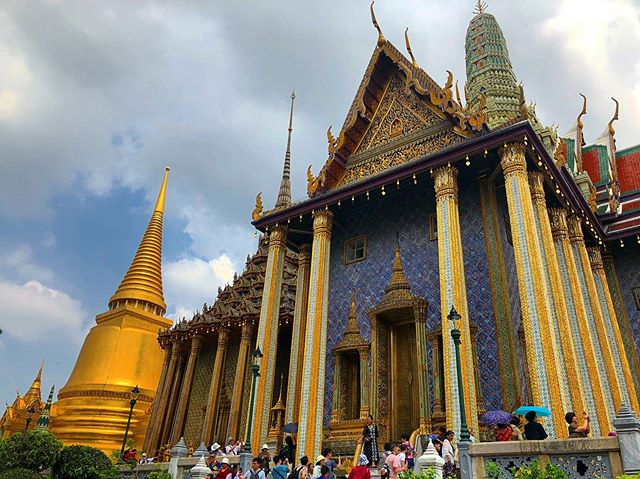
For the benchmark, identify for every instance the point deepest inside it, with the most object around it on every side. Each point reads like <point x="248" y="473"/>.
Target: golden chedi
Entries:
<point x="25" y="410"/>
<point x="120" y="352"/>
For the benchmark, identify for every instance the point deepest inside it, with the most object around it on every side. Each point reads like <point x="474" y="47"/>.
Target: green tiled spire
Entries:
<point x="43" y="421"/>
<point x="489" y="69"/>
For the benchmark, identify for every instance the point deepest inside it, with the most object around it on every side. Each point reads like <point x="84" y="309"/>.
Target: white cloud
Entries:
<point x="32" y="312"/>
<point x="19" y="264"/>
<point x="190" y="282"/>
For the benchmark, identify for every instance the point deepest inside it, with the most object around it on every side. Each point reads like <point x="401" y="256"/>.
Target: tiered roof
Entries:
<point x="239" y="302"/>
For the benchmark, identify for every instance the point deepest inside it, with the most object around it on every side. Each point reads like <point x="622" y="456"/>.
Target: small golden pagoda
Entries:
<point x="120" y="352"/>
<point x="29" y="406"/>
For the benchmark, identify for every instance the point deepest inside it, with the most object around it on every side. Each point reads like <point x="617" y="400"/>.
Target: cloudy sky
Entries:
<point x="97" y="97"/>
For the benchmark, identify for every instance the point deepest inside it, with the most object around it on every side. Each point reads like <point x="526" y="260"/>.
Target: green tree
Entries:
<point x="159" y="475"/>
<point x="82" y="462"/>
<point x="34" y="450"/>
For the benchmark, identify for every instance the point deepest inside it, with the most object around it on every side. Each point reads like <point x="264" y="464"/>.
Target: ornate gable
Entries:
<point x="399" y="113"/>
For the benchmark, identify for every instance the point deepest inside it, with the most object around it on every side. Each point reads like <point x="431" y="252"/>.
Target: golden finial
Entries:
<point x="406" y="41"/>
<point x="257" y="211"/>
<point x="524" y="111"/>
<point x="583" y="112"/>
<point x="312" y="182"/>
<point x="143" y="281"/>
<point x="480" y="7"/>
<point x="458" y="95"/>
<point x="284" y="194"/>
<point x="331" y="141"/>
<point x="615" y="117"/>
<point x="381" y="39"/>
<point x="163" y="192"/>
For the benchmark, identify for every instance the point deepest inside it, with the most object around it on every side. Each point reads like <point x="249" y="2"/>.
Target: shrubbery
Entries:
<point x="20" y="474"/>
<point x="82" y="462"/>
<point x="33" y="450"/>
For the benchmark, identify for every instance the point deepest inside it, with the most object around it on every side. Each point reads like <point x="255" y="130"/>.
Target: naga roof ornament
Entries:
<point x="381" y="39"/>
<point x="408" y="45"/>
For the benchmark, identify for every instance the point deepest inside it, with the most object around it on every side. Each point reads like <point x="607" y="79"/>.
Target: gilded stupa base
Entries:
<point x="120" y="352"/>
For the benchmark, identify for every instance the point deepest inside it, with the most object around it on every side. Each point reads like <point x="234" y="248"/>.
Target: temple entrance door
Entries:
<point x="404" y="400"/>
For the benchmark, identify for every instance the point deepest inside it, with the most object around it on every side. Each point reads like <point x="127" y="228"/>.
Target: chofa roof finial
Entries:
<point x="406" y="41"/>
<point x="381" y="39"/>
<point x="615" y="117"/>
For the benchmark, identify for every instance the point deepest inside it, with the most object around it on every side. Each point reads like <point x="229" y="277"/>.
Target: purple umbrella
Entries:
<point x="496" y="417"/>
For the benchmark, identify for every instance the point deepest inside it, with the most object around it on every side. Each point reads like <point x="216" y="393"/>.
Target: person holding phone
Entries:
<point x="576" y="430"/>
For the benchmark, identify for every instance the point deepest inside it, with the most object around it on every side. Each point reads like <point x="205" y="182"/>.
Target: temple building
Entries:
<point x="119" y="353"/>
<point x="425" y="202"/>
<point x="25" y="410"/>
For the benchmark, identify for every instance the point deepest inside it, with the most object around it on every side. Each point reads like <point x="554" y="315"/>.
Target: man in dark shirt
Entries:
<point x="574" y="429"/>
<point x="533" y="431"/>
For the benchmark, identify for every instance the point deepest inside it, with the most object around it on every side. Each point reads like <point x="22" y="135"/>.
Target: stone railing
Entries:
<point x="578" y="458"/>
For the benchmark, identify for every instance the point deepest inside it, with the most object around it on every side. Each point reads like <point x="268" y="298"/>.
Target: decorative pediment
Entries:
<point x="399" y="113"/>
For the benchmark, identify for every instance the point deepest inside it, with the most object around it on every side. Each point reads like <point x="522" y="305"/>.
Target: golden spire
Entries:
<point x="352" y="322"/>
<point x="408" y="45"/>
<point x="381" y="39"/>
<point x="284" y="195"/>
<point x="615" y="117"/>
<point x="143" y="281"/>
<point x="398" y="280"/>
<point x="582" y="113"/>
<point x="34" y="391"/>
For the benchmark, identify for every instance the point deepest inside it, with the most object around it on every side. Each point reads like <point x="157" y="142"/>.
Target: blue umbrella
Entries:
<point x="539" y="410"/>
<point x="496" y="417"/>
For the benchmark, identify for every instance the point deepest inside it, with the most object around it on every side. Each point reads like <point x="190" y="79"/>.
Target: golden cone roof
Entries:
<point x="143" y="280"/>
<point x="352" y="337"/>
<point x="398" y="280"/>
<point x="34" y="391"/>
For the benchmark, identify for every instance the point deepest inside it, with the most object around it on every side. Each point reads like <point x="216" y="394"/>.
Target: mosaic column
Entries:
<point x="365" y="410"/>
<point x="214" y="389"/>
<point x="298" y="334"/>
<point x="267" y="339"/>
<point x="561" y="337"/>
<point x="173" y="399"/>
<point x="590" y="376"/>
<point x="453" y="292"/>
<point x="423" y="370"/>
<point x="240" y="380"/>
<point x="436" y="367"/>
<point x="312" y="397"/>
<point x="185" y="391"/>
<point x="612" y="329"/>
<point x="608" y="373"/>
<point x="151" y="440"/>
<point x="336" y="397"/>
<point x="537" y="315"/>
<point x="499" y="282"/>
<point x="623" y="320"/>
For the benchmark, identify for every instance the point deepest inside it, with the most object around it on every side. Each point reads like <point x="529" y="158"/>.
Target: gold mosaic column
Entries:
<point x="594" y="317"/>
<point x="423" y="372"/>
<point x="173" y="399"/>
<point x="365" y="410"/>
<point x="214" y="390"/>
<point x="510" y="380"/>
<point x="612" y="329"/>
<point x="240" y="380"/>
<point x="268" y="334"/>
<point x="185" y="391"/>
<point x="534" y="295"/>
<point x="157" y="411"/>
<point x="312" y="396"/>
<point x="453" y="292"/>
<point x="593" y="390"/>
<point x="561" y="335"/>
<point x="336" y="398"/>
<point x="298" y="334"/>
<point x="438" y="411"/>
<point x="623" y="320"/>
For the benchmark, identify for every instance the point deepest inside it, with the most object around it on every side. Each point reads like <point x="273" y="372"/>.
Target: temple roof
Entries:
<point x="240" y="301"/>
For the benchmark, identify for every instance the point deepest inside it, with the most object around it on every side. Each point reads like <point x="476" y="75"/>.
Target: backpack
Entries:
<point x="254" y="474"/>
<point x="296" y="473"/>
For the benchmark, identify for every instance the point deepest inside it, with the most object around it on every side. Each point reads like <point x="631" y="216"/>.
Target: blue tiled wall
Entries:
<point x="405" y="213"/>
<point x="627" y="263"/>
